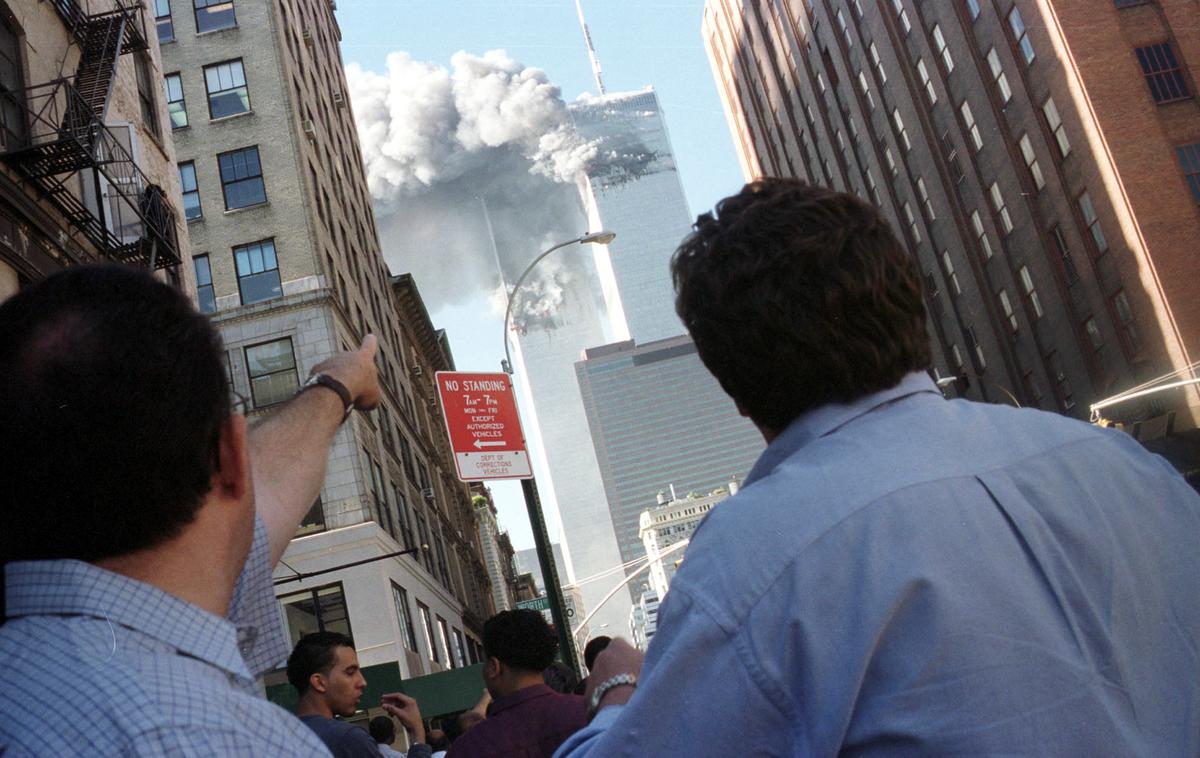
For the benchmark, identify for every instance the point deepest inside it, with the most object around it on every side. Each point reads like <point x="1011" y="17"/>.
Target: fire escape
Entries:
<point x="54" y="135"/>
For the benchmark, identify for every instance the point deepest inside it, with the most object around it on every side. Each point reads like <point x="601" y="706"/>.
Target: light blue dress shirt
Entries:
<point x="906" y="575"/>
<point x="95" y="663"/>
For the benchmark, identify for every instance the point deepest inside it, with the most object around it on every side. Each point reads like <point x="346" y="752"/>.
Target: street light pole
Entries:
<point x="945" y="381"/>
<point x="533" y="503"/>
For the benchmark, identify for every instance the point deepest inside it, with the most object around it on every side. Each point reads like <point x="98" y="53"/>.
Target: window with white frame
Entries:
<point x="878" y="64"/>
<point x="1093" y="222"/>
<point x="1006" y="306"/>
<point x="890" y="160"/>
<point x="911" y="218"/>
<point x="926" y="82"/>
<point x="866" y="90"/>
<point x="1125" y="316"/>
<point x="973" y="8"/>
<point x="1020" y="34"/>
<point x="939" y="43"/>
<point x="999" y="206"/>
<point x="981" y="235"/>
<point x="1056" y="127"/>
<point x="998" y="75"/>
<point x="1035" y="303"/>
<point x="841" y="19"/>
<point x="898" y="121"/>
<point x="968" y="118"/>
<point x="1031" y="161"/>
<point x="923" y="193"/>
<point x="950" y="275"/>
<point x="1093" y="332"/>
<point x="902" y="14"/>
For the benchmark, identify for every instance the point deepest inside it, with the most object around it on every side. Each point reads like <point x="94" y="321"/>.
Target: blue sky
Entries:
<point x="639" y="43"/>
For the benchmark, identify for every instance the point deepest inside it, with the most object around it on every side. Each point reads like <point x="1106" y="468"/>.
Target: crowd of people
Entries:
<point x="899" y="574"/>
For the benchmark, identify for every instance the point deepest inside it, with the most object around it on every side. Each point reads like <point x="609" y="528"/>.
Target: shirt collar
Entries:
<point x="76" y="588"/>
<point x="827" y="419"/>
<point x="520" y="696"/>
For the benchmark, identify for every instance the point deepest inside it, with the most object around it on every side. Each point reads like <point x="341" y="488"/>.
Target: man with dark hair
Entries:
<point x="593" y="648"/>
<point x="526" y="718"/>
<point x="900" y="574"/>
<point x="323" y="667"/>
<point x="383" y="731"/>
<point x="140" y="519"/>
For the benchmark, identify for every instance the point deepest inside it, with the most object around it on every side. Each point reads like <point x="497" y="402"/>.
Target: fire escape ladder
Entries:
<point x="99" y="51"/>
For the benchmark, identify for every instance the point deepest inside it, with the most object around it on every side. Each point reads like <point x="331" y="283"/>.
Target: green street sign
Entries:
<point x="537" y="604"/>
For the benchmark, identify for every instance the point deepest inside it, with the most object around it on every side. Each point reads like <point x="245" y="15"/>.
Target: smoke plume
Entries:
<point x="452" y="152"/>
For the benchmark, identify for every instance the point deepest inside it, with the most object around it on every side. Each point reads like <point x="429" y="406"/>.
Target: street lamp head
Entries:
<point x="602" y="237"/>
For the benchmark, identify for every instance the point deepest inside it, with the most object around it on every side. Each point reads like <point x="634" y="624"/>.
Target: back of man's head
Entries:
<point x="112" y="397"/>
<point x="314" y="654"/>
<point x="593" y="648"/>
<point x="521" y="639"/>
<point x="798" y="296"/>
<point x="382" y="730"/>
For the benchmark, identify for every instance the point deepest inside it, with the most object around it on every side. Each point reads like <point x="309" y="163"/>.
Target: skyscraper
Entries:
<point x="658" y="419"/>
<point x="623" y="290"/>
<point x="1039" y="158"/>
<point x="287" y="263"/>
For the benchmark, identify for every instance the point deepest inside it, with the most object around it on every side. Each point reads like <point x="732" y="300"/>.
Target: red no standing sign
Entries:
<point x="484" y="426"/>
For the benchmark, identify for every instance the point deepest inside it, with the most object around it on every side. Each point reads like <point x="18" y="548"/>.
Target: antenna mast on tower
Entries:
<point x="587" y="37"/>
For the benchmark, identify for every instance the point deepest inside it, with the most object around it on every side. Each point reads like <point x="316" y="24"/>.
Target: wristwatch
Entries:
<point x="603" y="688"/>
<point x="325" y="380"/>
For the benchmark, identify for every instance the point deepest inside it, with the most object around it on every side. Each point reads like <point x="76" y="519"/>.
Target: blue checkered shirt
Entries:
<point x="100" y="664"/>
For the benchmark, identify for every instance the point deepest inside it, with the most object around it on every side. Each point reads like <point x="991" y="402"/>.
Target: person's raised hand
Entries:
<point x="356" y="369"/>
<point x="406" y="710"/>
<point x="618" y="658"/>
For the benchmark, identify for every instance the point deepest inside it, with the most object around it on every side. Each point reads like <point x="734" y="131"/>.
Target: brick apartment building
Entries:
<point x="1040" y="157"/>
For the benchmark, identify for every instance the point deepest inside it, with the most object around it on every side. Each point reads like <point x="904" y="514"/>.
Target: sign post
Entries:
<point x="484" y="426"/>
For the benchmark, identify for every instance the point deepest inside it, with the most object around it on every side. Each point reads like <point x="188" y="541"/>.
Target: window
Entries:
<point x="272" y="367"/>
<point x="950" y="275"/>
<point x="878" y="64"/>
<point x="1031" y="161"/>
<point x="1000" y="208"/>
<point x="212" y="15"/>
<point x="972" y="127"/>
<point x="318" y="610"/>
<point x="973" y="344"/>
<point x="1056" y="126"/>
<point x="313" y="521"/>
<point x="981" y="235"/>
<point x="204" y="286"/>
<point x="899" y="123"/>
<point x="1125" y="317"/>
<point x="939" y="41"/>
<point x="1017" y="24"/>
<point x="1093" y="333"/>
<point x="1189" y="161"/>
<point x="841" y="19"/>
<point x="1162" y="73"/>
<point x="427" y="629"/>
<point x="459" y="653"/>
<point x="1030" y="292"/>
<point x="821" y="82"/>
<point x="146" y="87"/>
<point x="1065" y="396"/>
<point x="958" y="359"/>
<point x="1093" y="223"/>
<point x="1006" y="306"/>
<point x="890" y="160"/>
<point x="1064" y="252"/>
<point x="404" y="616"/>
<point x="176" y="107"/>
<point x="872" y="188"/>
<point x="858" y="8"/>
<point x="926" y="82"/>
<point x="13" y="124"/>
<point x="257" y="271"/>
<point x="912" y="223"/>
<point x="191" y="191"/>
<point x="241" y="178"/>
<point x="162" y="19"/>
<point x="902" y="14"/>
<point x="973" y="8"/>
<point x="923" y="193"/>
<point x="444" y="640"/>
<point x="226" y="85"/>
<point x="866" y="91"/>
<point x="998" y="76"/>
<point x="402" y="514"/>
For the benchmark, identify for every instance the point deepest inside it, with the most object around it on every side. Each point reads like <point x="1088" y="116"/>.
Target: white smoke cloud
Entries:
<point x="440" y="144"/>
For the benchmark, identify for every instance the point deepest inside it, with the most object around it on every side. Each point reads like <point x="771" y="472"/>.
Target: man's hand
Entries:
<point x="618" y="658"/>
<point x="356" y="369"/>
<point x="484" y="701"/>
<point x="405" y="709"/>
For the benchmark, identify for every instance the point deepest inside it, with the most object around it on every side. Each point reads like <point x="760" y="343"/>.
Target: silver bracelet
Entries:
<point x="603" y="688"/>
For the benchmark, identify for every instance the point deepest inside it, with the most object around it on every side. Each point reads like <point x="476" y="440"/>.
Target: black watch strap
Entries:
<point x="325" y="380"/>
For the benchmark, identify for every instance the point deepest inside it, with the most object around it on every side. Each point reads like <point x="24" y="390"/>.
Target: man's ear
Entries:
<point x="231" y="480"/>
<point x="493" y="667"/>
<point x="318" y="683"/>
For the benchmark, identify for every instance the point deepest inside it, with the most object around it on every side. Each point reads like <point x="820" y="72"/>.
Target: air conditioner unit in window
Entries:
<point x="339" y="100"/>
<point x="417" y="370"/>
<point x="433" y="402"/>
<point x="427" y="493"/>
<point x="308" y="37"/>
<point x="310" y="130"/>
